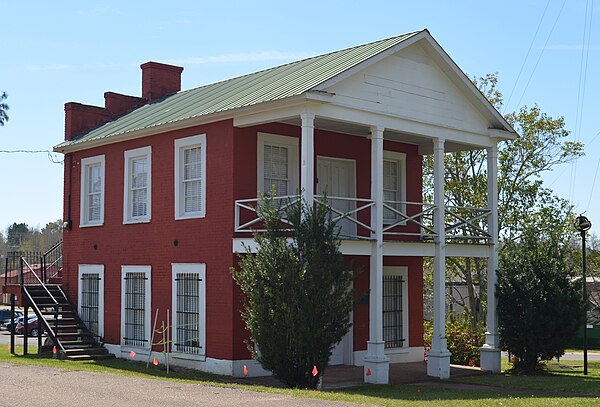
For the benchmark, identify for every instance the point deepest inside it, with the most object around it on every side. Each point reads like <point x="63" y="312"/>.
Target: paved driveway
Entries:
<point x="34" y="385"/>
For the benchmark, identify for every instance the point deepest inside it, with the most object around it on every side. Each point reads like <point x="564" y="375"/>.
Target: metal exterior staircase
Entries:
<point x="68" y="336"/>
<point x="72" y="339"/>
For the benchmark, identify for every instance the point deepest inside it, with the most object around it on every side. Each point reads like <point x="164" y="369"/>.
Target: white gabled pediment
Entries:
<point x="418" y="82"/>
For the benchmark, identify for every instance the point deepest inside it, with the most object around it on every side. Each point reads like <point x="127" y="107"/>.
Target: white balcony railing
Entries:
<point x="353" y="215"/>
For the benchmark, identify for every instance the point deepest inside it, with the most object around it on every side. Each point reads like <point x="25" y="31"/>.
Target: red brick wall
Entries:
<point x="206" y="240"/>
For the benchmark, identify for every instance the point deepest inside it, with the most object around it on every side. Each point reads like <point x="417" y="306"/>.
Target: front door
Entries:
<point x="336" y="178"/>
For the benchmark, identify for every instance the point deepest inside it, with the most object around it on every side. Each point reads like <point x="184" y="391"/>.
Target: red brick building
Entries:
<point x="159" y="192"/>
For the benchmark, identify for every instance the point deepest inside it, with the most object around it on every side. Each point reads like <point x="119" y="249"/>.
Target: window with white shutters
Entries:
<point x="92" y="191"/>
<point x="189" y="306"/>
<point x="135" y="314"/>
<point x="138" y="175"/>
<point x="276" y="170"/>
<point x="190" y="179"/>
<point x="394" y="186"/>
<point x="277" y="164"/>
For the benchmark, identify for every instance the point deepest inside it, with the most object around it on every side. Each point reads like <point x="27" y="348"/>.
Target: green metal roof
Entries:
<point x="276" y="83"/>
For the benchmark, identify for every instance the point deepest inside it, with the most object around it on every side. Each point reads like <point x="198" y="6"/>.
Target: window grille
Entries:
<point x="392" y="311"/>
<point x="90" y="292"/>
<point x="135" y="304"/>
<point x="192" y="179"/>
<point x="276" y="169"/>
<point x="187" y="331"/>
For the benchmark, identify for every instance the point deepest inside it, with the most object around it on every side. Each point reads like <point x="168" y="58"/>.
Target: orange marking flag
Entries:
<point x="245" y="371"/>
<point x="315" y="371"/>
<point x="155" y="362"/>
<point x="368" y="372"/>
<point x="8" y="347"/>
<point x="54" y="349"/>
<point x="132" y="354"/>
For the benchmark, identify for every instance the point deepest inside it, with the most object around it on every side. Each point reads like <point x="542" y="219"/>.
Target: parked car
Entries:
<point x="6" y="318"/>
<point x="32" y="327"/>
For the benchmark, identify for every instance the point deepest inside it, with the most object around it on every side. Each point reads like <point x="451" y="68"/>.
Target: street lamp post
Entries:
<point x="583" y="225"/>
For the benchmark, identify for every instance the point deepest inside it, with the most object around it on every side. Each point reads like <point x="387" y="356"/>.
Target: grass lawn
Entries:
<point x="563" y="378"/>
<point x="566" y="376"/>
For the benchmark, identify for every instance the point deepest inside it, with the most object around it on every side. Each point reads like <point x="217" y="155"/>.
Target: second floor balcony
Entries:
<point x="402" y="220"/>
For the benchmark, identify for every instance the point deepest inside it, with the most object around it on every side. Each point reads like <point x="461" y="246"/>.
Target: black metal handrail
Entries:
<point x="23" y="261"/>
<point x="55" y="256"/>
<point x="40" y="316"/>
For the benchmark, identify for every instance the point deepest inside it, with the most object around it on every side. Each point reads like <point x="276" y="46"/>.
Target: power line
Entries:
<point x="585" y="51"/>
<point x="526" y="56"/>
<point x="542" y="53"/>
<point x="595" y="176"/>
<point x="51" y="154"/>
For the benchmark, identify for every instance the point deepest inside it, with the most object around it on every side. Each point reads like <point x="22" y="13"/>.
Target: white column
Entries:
<point x="490" y="352"/>
<point x="376" y="368"/>
<point x="438" y="362"/>
<point x="307" y="157"/>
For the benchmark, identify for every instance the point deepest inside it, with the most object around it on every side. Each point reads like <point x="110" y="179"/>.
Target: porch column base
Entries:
<point x="377" y="365"/>
<point x="438" y="364"/>
<point x="490" y="353"/>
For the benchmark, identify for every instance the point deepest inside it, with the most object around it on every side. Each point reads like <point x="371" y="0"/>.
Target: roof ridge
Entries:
<point x="404" y="36"/>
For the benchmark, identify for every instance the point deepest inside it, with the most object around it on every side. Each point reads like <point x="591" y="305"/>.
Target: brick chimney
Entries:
<point x="118" y="104"/>
<point x="80" y="118"/>
<point x="159" y="80"/>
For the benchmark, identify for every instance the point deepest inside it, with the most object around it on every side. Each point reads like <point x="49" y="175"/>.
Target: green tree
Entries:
<point x="3" y="109"/>
<point x="539" y="303"/>
<point x="17" y="234"/>
<point x="298" y="295"/>
<point x="41" y="240"/>
<point x="523" y="199"/>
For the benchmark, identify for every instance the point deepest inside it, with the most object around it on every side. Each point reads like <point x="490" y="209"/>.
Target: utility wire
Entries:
<point x="526" y="57"/>
<point x="595" y="176"/>
<point x="542" y="53"/>
<point x="585" y="52"/>
<point x="51" y="157"/>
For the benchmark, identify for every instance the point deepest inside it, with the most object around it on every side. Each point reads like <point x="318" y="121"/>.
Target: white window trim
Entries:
<point x="93" y="269"/>
<point x="83" y="201"/>
<point x="292" y="144"/>
<point x="129" y="156"/>
<point x="401" y="158"/>
<point x="180" y="145"/>
<point x="200" y="269"/>
<point x="148" y="299"/>
<point x="403" y="272"/>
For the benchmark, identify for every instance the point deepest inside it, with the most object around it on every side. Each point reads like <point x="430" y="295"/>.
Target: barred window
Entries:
<point x="136" y="312"/>
<point x="90" y="294"/>
<point x="393" y="309"/>
<point x="89" y="299"/>
<point x="189" y="305"/>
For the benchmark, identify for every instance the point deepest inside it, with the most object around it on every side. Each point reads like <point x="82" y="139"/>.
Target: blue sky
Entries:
<point x="57" y="52"/>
